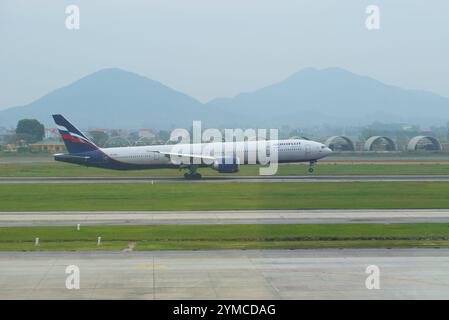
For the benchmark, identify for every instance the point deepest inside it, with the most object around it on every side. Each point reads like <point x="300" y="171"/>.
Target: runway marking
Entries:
<point x="150" y="266"/>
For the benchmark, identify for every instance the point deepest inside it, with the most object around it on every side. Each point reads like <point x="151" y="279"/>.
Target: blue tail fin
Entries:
<point x="74" y="140"/>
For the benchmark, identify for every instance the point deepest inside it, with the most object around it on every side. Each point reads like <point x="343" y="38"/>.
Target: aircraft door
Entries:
<point x="308" y="150"/>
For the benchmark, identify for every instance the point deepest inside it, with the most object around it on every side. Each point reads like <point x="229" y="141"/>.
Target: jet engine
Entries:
<point x="226" y="164"/>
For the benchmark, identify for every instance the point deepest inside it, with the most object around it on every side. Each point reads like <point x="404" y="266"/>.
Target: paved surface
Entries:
<point x="220" y="217"/>
<point x="387" y="156"/>
<point x="224" y="179"/>
<point x="267" y="274"/>
<point x="21" y="159"/>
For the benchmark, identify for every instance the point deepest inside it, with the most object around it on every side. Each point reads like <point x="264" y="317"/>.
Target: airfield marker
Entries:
<point x="99" y="241"/>
<point x="36" y="242"/>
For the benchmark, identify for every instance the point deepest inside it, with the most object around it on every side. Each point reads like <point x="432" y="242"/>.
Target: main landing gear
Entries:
<point x="311" y="167"/>
<point x="192" y="174"/>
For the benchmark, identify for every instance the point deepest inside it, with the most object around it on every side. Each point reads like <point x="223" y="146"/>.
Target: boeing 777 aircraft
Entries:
<point x="83" y="151"/>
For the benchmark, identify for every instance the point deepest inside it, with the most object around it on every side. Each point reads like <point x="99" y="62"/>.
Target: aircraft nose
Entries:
<point x="328" y="150"/>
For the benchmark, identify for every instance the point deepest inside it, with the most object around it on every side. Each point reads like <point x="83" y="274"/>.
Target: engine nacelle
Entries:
<point x="227" y="164"/>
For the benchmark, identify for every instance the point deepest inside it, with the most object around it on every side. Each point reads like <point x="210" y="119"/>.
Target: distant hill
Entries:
<point x="114" y="98"/>
<point x="334" y="95"/>
<point x="117" y="98"/>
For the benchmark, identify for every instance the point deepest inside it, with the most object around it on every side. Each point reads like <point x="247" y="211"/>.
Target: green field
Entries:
<point x="228" y="196"/>
<point x="195" y="237"/>
<point x="324" y="168"/>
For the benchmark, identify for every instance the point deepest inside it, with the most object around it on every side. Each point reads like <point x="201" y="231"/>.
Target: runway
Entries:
<point x="86" y="218"/>
<point x="225" y="179"/>
<point x="264" y="274"/>
<point x="25" y="159"/>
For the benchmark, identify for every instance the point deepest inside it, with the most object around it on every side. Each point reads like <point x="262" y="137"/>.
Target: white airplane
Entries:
<point x="83" y="151"/>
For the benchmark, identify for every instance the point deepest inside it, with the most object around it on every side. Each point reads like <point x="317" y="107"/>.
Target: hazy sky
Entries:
<point x="214" y="48"/>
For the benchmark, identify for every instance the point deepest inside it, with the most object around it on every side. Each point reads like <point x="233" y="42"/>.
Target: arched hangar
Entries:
<point x="390" y="145"/>
<point x="340" y="143"/>
<point x="425" y="143"/>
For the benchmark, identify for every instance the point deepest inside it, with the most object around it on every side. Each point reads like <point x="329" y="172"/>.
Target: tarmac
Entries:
<point x="85" y="218"/>
<point x="225" y="179"/>
<point x="261" y="274"/>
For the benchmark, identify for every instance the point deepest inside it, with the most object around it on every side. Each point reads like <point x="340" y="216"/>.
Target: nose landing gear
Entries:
<point x="311" y="167"/>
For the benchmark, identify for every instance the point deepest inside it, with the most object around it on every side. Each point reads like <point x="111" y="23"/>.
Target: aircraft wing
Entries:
<point x="186" y="155"/>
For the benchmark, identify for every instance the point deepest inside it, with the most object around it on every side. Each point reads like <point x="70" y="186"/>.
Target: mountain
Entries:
<point x="334" y="95"/>
<point x="117" y="98"/>
<point x="114" y="98"/>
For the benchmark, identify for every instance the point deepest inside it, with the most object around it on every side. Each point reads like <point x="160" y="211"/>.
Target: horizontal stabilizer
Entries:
<point x="72" y="158"/>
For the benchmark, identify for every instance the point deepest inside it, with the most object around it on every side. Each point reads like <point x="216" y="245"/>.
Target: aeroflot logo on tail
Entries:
<point x="72" y="137"/>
